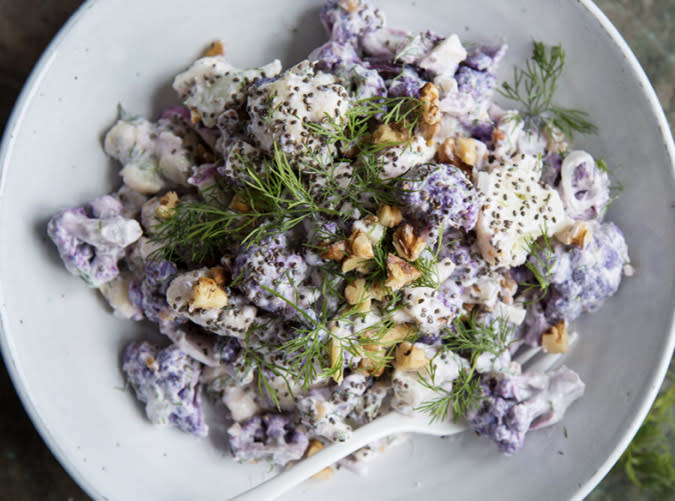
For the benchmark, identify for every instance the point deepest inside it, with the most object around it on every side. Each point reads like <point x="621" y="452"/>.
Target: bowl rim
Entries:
<point x="7" y="143"/>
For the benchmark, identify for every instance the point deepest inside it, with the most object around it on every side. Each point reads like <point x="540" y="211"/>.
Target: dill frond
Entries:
<point x="534" y="87"/>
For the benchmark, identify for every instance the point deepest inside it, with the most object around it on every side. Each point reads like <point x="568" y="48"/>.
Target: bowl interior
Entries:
<point x="63" y="347"/>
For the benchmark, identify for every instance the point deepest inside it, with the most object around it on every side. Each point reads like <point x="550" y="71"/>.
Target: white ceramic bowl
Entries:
<point x="62" y="347"/>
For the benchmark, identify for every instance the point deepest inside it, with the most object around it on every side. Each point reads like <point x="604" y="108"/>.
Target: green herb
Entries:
<point x="540" y="263"/>
<point x="534" y="87"/>
<point x="470" y="339"/>
<point x="615" y="187"/>
<point x="649" y="461"/>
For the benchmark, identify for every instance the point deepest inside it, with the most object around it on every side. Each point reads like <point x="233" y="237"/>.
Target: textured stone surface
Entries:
<point x="28" y="471"/>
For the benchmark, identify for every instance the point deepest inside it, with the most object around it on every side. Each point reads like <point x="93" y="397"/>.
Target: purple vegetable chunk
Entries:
<point x="272" y="437"/>
<point x="166" y="380"/>
<point x="348" y="20"/>
<point x="150" y="294"/>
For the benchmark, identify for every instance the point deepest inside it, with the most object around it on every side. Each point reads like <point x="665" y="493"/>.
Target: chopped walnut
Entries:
<point x="407" y="244"/>
<point x="377" y="291"/>
<point x="396" y="334"/>
<point x="336" y="359"/>
<point x="333" y="252"/>
<point x="314" y="447"/>
<point x="361" y="245"/>
<point x="446" y="151"/>
<point x="218" y="275"/>
<point x="467" y="150"/>
<point x="371" y="364"/>
<point x="195" y="117"/>
<point x="556" y="141"/>
<point x="389" y="216"/>
<point x="389" y="134"/>
<point x="355" y="263"/>
<point x="578" y="234"/>
<point x="167" y="205"/>
<point x="216" y="48"/>
<point x="239" y="204"/>
<point x="357" y="295"/>
<point x="207" y="294"/>
<point x="556" y="339"/>
<point x="400" y="273"/>
<point x="350" y="6"/>
<point x="431" y="113"/>
<point x="409" y="358"/>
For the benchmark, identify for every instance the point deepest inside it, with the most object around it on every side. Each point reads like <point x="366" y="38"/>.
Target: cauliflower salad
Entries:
<point x="366" y="231"/>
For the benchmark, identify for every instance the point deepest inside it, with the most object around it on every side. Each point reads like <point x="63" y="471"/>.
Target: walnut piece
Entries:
<point x="239" y="204"/>
<point x="396" y="334"/>
<point x="218" y="275"/>
<point x="334" y="252"/>
<point x="357" y="295"/>
<point x="407" y="244"/>
<point x="361" y="246"/>
<point x="556" y="339"/>
<point x="409" y="358"/>
<point x="314" y="447"/>
<point x="355" y="263"/>
<point x="389" y="134"/>
<point x="336" y="358"/>
<point x="446" y="151"/>
<point x="207" y="294"/>
<point x="370" y="363"/>
<point x="350" y="6"/>
<point x="216" y="48"/>
<point x="578" y="234"/>
<point x="167" y="205"/>
<point x="467" y="149"/>
<point x="400" y="273"/>
<point x="389" y="216"/>
<point x="431" y="113"/>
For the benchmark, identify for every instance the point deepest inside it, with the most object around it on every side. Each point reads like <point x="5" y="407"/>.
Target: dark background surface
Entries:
<point x="28" y="471"/>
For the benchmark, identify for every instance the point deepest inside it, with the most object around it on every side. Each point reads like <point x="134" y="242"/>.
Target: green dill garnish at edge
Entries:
<point x="470" y="339"/>
<point x="649" y="461"/>
<point x="534" y="87"/>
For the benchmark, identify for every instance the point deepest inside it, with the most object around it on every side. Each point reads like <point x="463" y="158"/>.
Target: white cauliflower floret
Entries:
<point x="397" y="160"/>
<point x="517" y="208"/>
<point x="116" y="292"/>
<point x="445" y="57"/>
<point x="279" y="109"/>
<point x="212" y="85"/>
<point x="232" y="319"/>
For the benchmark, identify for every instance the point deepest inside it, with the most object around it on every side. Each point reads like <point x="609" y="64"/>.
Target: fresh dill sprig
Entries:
<point x="615" y="187"/>
<point x="540" y="263"/>
<point x="534" y="87"/>
<point x="469" y="339"/>
<point x="649" y="461"/>
<point x="427" y="264"/>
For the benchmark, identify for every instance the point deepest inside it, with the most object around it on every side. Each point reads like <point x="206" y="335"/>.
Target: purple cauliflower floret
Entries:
<point x="584" y="188"/>
<point x="342" y="61"/>
<point x="478" y="84"/>
<point x="485" y="57"/>
<point x="227" y="349"/>
<point x="406" y="83"/>
<point x="272" y="437"/>
<point x="272" y="266"/>
<point x="439" y="196"/>
<point x="513" y="405"/>
<point x="593" y="275"/>
<point x="92" y="239"/>
<point x="347" y="20"/>
<point x="150" y="294"/>
<point x="166" y="380"/>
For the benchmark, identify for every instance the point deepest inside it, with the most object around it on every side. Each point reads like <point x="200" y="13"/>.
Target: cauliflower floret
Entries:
<point x="348" y="20"/>
<point x="232" y="319"/>
<point x="279" y="110"/>
<point x="444" y="58"/>
<point x="439" y="197"/>
<point x="272" y="437"/>
<point x="397" y="160"/>
<point x="212" y="85"/>
<point x="516" y="209"/>
<point x="166" y="380"/>
<point x="513" y="405"/>
<point x="91" y="239"/>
